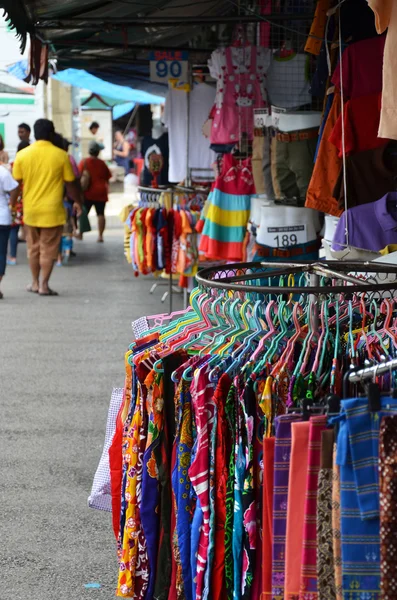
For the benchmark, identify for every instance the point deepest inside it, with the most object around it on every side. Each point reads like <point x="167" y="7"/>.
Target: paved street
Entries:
<point x="59" y="359"/>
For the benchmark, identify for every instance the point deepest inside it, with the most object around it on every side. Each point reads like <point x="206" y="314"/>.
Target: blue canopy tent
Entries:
<point x="84" y="80"/>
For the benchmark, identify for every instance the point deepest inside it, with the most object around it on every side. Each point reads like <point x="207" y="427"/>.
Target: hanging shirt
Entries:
<point x="288" y="83"/>
<point x="7" y="184"/>
<point x="370" y="226"/>
<point x="361" y="68"/>
<point x="361" y="124"/>
<point x="201" y="100"/>
<point x="159" y="146"/>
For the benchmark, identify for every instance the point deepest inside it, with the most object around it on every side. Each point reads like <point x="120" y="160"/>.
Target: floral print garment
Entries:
<point x="150" y="478"/>
<point x="131" y="541"/>
<point x="181" y="487"/>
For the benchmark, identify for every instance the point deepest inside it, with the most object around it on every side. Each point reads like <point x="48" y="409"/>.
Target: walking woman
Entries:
<point x="16" y="219"/>
<point x="96" y="194"/>
<point x="9" y="191"/>
<point x="121" y="151"/>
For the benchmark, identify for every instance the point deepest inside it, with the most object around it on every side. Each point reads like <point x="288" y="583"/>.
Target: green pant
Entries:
<point x="292" y="167"/>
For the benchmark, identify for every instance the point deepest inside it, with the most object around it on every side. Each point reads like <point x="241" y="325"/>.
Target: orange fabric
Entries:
<point x="296" y="508"/>
<point x="317" y="30"/>
<point x="267" y="525"/>
<point x="326" y="168"/>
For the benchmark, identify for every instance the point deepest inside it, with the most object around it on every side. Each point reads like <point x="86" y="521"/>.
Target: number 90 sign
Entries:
<point x="162" y="70"/>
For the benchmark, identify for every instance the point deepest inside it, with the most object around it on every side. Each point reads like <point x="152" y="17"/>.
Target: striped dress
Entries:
<point x="228" y="209"/>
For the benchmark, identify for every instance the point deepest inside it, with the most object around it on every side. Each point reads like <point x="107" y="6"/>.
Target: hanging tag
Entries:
<point x="276" y="112"/>
<point x="260" y="117"/>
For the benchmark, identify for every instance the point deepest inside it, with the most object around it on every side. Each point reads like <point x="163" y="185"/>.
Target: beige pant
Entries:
<point x="43" y="243"/>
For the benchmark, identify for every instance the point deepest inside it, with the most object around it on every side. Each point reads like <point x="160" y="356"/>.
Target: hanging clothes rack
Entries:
<point x="335" y="277"/>
<point x="371" y="372"/>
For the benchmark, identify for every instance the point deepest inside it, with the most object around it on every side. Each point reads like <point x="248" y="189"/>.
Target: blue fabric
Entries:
<point x="83" y="79"/>
<point x="195" y="540"/>
<point x="360" y="539"/>
<point x="4" y="235"/>
<point x="182" y="486"/>
<point x="363" y="430"/>
<point x="122" y="109"/>
<point x="150" y="516"/>
<point x="14" y="241"/>
<point x="238" y="521"/>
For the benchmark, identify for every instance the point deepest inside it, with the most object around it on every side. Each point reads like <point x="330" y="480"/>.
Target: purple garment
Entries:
<point x="371" y="226"/>
<point x="282" y="453"/>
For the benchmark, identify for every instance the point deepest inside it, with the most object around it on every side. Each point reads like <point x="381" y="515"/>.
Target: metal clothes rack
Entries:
<point x="321" y="279"/>
<point x="370" y="372"/>
<point x="173" y="191"/>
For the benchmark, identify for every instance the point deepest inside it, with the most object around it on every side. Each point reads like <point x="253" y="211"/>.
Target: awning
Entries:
<point x="86" y="81"/>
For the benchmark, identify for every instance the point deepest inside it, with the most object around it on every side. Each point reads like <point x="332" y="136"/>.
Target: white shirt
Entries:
<point x="7" y="184"/>
<point x="201" y="100"/>
<point x="287" y="82"/>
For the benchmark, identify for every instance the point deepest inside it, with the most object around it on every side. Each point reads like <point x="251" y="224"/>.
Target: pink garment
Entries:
<point x="241" y="95"/>
<point x="202" y="391"/>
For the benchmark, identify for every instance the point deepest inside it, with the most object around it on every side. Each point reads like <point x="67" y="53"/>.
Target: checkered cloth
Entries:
<point x="140" y="327"/>
<point x="101" y="497"/>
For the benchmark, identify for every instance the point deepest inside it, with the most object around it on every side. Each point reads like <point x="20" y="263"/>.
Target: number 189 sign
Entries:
<point x="168" y="64"/>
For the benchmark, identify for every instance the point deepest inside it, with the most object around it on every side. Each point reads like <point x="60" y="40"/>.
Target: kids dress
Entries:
<point x="228" y="211"/>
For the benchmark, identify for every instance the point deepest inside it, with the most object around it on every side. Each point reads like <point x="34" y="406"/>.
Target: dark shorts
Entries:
<point x="99" y="207"/>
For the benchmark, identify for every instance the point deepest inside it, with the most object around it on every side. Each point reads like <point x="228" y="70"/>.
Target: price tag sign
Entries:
<point x="284" y="237"/>
<point x="260" y="117"/>
<point x="276" y="112"/>
<point x="169" y="64"/>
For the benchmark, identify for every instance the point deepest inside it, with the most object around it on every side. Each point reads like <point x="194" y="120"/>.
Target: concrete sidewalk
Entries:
<point x="59" y="359"/>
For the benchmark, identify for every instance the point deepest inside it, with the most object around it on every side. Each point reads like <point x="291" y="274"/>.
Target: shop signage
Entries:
<point x="168" y="64"/>
<point x="284" y="237"/>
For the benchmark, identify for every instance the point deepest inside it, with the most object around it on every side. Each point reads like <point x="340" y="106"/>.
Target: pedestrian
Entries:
<point x="94" y="127"/>
<point x="24" y="132"/>
<point x="4" y="158"/>
<point x="96" y="194"/>
<point x="17" y="220"/>
<point x="44" y="169"/>
<point x="121" y="151"/>
<point x="9" y="190"/>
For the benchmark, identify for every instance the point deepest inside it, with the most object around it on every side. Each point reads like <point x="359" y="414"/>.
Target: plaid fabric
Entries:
<point x="308" y="584"/>
<point x="360" y="538"/>
<point x="140" y="326"/>
<point x="282" y="454"/>
<point x="101" y="497"/>
<point x="363" y="432"/>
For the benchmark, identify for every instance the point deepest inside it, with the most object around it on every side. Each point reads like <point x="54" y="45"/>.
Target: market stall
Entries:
<point x="253" y="449"/>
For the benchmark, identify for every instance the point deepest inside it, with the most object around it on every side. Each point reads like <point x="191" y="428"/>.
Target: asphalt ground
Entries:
<point x="59" y="360"/>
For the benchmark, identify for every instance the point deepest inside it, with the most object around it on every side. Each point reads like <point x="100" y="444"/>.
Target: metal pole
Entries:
<point x="187" y="138"/>
<point x="369" y="372"/>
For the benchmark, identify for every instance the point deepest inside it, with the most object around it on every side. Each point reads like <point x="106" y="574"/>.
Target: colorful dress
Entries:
<point x="226" y="221"/>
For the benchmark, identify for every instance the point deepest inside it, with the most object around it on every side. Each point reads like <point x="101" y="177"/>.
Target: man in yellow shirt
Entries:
<point x="44" y="170"/>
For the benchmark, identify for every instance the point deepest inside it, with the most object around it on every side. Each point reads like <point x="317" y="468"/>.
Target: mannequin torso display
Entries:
<point x="286" y="226"/>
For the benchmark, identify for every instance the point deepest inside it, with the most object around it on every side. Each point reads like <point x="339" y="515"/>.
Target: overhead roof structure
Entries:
<point x="111" y="38"/>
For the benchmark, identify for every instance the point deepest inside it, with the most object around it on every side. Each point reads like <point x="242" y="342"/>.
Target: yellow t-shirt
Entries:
<point x="43" y="168"/>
